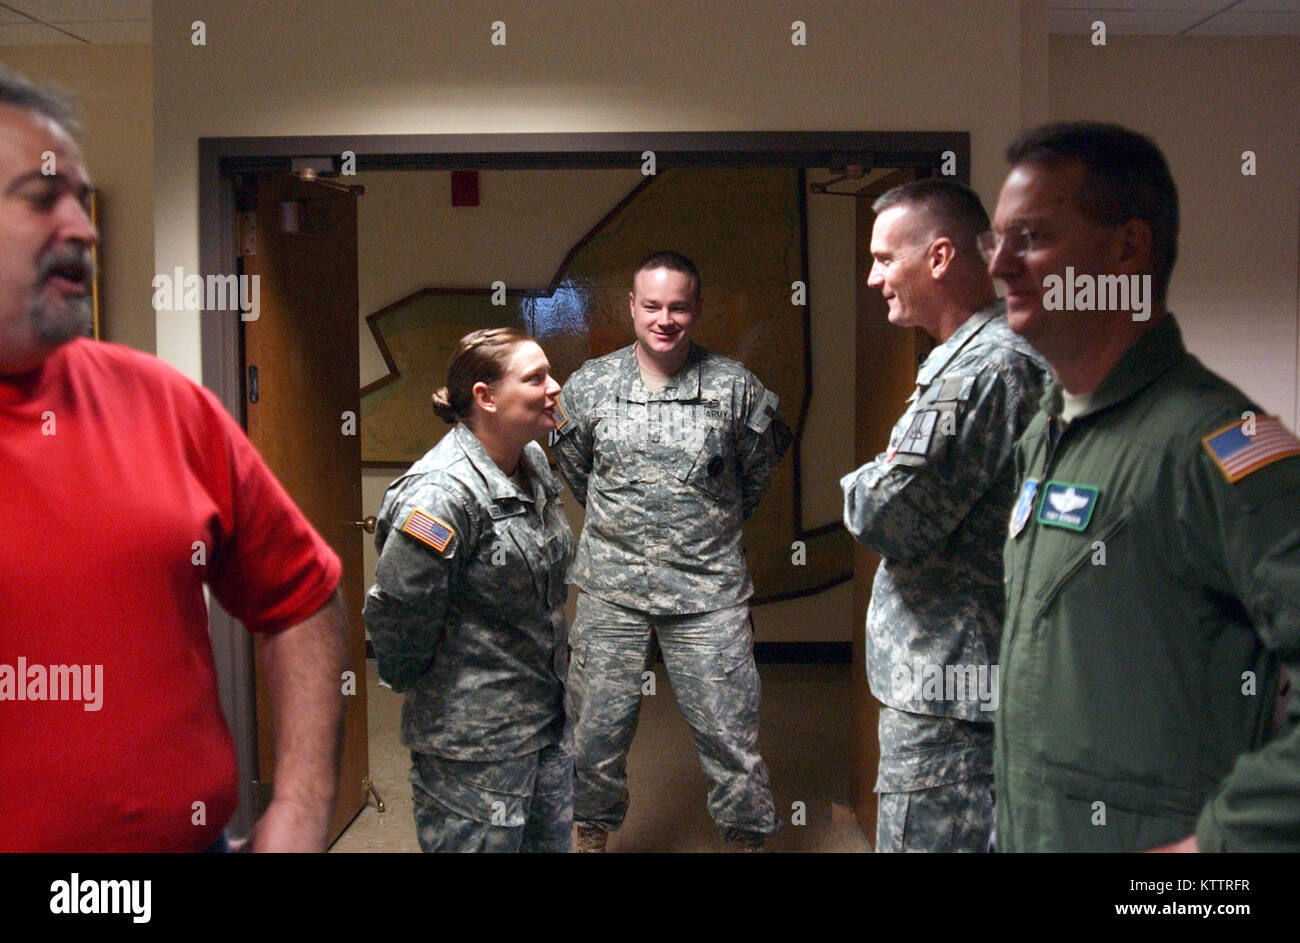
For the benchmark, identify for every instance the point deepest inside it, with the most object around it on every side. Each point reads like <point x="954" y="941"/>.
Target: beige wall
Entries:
<point x="1205" y="101"/>
<point x="409" y="236"/>
<point x="113" y="87"/>
<point x="318" y="67"/>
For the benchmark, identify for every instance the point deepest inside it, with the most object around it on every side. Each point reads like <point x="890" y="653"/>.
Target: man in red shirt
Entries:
<point x="124" y="489"/>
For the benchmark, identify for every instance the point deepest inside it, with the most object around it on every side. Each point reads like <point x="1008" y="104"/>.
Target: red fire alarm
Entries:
<point x="464" y="188"/>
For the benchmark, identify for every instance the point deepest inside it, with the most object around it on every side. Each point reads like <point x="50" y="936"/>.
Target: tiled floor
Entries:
<point x="805" y="726"/>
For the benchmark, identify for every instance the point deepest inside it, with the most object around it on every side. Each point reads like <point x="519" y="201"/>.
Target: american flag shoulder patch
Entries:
<point x="1247" y="445"/>
<point x="429" y="530"/>
<point x="561" y="417"/>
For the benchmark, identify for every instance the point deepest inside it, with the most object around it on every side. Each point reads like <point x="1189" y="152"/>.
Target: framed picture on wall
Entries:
<point x="97" y="279"/>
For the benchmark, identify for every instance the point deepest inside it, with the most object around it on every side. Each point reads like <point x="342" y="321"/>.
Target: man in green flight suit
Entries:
<point x="1153" y="556"/>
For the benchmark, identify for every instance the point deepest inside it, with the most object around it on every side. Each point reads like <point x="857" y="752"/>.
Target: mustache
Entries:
<point x="70" y="262"/>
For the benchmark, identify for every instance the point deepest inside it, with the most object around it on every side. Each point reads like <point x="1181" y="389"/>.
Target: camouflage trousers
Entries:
<point x="710" y="662"/>
<point x="524" y="804"/>
<point x="935" y="783"/>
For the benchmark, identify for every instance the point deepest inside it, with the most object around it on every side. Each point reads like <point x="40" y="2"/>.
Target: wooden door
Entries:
<point x="302" y="403"/>
<point x="886" y="364"/>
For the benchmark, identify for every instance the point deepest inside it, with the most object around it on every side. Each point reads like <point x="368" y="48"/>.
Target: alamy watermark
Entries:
<point x="79" y="895"/>
<point x="934" y="683"/>
<point x="181" y="292"/>
<point x="24" y="682"/>
<point x="1073" y="292"/>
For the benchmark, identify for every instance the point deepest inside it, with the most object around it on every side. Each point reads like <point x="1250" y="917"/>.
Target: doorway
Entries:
<point x="221" y="160"/>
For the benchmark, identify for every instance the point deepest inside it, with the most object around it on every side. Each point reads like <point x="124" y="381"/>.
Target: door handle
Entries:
<point x="368" y="524"/>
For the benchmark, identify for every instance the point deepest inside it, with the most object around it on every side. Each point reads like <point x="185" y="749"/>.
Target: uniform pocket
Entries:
<point x="1088" y="540"/>
<point x="1117" y="815"/>
<point x="708" y="467"/>
<point x="491" y="793"/>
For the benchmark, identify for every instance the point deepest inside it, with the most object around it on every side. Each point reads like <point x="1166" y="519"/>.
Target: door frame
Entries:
<point x="220" y="159"/>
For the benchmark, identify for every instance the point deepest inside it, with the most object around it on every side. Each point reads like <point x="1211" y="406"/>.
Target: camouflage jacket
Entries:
<point x="935" y="507"/>
<point x="467" y="611"/>
<point x="667" y="478"/>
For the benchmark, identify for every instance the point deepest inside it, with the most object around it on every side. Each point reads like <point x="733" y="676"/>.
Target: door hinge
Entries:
<point x="247" y="234"/>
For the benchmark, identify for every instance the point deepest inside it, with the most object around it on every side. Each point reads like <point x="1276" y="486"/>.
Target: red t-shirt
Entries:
<point x="123" y="488"/>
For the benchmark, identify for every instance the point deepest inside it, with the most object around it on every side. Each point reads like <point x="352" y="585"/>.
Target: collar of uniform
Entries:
<point x="1156" y="352"/>
<point x="499" y="486"/>
<point x="539" y="471"/>
<point x="684" y="384"/>
<point x="942" y="355"/>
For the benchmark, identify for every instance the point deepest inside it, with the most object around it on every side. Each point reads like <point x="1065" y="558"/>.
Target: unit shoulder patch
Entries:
<point x="1247" y="445"/>
<point x="765" y="412"/>
<point x="1024" y="506"/>
<point x="428" y="530"/>
<point x="915" y="442"/>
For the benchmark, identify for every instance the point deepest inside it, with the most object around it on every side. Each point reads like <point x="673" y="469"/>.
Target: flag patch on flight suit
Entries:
<point x="1067" y="505"/>
<point x="428" y="530"/>
<point x="1024" y="507"/>
<point x="1238" y="452"/>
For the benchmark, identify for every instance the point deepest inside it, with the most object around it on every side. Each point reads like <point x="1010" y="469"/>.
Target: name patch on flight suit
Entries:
<point x="1067" y="505"/>
<point x="1024" y="506"/>
<point x="428" y="530"/>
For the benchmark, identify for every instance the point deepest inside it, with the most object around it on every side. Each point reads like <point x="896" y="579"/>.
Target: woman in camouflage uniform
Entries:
<point x="467" y="611"/>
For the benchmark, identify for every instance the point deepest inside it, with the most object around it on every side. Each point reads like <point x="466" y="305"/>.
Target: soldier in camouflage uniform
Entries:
<point x="669" y="447"/>
<point x="467" y="610"/>
<point x="935" y="507"/>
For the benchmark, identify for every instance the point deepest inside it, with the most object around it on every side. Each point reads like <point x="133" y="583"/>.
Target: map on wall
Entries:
<point x="744" y="229"/>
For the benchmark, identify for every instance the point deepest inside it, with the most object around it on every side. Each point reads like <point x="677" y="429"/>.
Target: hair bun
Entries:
<point x="442" y="406"/>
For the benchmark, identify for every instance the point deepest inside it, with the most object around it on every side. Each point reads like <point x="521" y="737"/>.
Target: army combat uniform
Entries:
<point x="666" y="478"/>
<point x="935" y="507"/>
<point x="467" y="617"/>
<point x="1153" y="605"/>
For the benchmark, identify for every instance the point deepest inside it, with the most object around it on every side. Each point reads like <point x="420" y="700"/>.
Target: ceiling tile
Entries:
<point x="33" y="34"/>
<point x="125" y="31"/>
<point x="1202" y="7"/>
<point x="1123" y="22"/>
<point x="78" y="11"/>
<point x="1267" y="6"/>
<point x="1234" y="23"/>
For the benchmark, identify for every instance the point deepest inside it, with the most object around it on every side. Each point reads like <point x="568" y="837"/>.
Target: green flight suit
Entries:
<point x="1153" y="606"/>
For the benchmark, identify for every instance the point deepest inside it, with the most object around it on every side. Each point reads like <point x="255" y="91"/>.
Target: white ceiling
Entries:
<point x="1178" y="17"/>
<point x="72" y="22"/>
